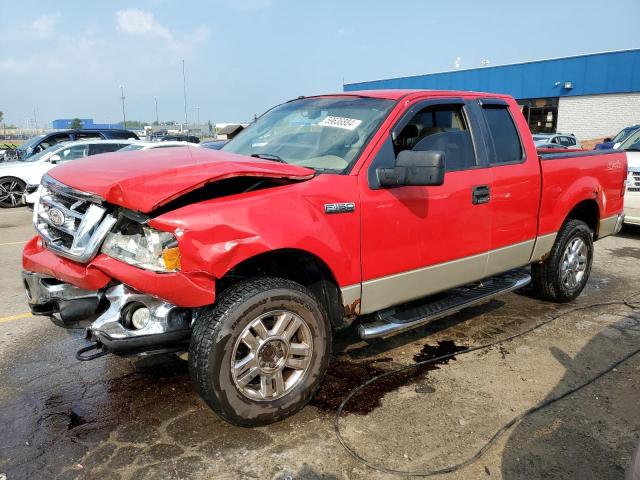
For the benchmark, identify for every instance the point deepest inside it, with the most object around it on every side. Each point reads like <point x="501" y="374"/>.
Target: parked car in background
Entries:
<point x="23" y="176"/>
<point x="179" y="138"/>
<point x="41" y="142"/>
<point x="214" y="144"/>
<point x="254" y="256"/>
<point x="622" y="135"/>
<point x="561" y="139"/>
<point x="146" y="145"/>
<point x="631" y="145"/>
<point x="549" y="146"/>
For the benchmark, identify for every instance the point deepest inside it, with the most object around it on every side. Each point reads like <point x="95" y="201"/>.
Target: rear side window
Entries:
<point x="567" y="141"/>
<point x="507" y="147"/>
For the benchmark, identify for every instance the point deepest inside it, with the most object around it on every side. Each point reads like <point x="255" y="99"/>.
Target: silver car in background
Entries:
<point x="556" y="140"/>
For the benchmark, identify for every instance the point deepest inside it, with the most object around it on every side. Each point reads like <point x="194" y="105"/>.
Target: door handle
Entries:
<point x="480" y="194"/>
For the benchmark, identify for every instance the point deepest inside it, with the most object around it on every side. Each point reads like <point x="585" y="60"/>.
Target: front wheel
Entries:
<point x="260" y="353"/>
<point x="562" y="276"/>
<point x="11" y="192"/>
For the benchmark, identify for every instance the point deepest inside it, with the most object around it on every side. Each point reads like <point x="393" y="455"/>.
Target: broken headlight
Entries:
<point x="143" y="247"/>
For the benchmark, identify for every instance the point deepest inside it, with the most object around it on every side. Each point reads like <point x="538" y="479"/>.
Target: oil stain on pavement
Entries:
<point x="345" y="375"/>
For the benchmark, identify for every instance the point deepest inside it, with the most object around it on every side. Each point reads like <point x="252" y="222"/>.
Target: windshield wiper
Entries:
<point x="268" y="156"/>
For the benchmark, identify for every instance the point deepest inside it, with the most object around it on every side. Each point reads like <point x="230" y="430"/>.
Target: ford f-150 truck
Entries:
<point x="326" y="210"/>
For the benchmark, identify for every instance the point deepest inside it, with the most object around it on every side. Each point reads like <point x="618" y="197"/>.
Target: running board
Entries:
<point x="399" y="319"/>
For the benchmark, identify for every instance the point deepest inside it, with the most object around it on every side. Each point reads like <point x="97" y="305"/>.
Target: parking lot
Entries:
<point x="123" y="418"/>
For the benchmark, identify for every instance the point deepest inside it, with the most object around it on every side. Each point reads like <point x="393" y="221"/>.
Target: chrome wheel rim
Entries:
<point x="574" y="263"/>
<point x="10" y="193"/>
<point x="272" y="355"/>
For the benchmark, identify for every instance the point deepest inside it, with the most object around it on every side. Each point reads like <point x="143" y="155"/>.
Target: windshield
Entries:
<point x="44" y="154"/>
<point x="31" y="142"/>
<point x="323" y="133"/>
<point x="623" y="134"/>
<point x="632" y="142"/>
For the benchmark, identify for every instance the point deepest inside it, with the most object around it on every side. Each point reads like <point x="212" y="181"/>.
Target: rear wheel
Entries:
<point x="11" y="192"/>
<point x="562" y="276"/>
<point x="260" y="353"/>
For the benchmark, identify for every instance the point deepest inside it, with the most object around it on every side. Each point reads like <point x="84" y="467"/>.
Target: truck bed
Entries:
<point x="570" y="177"/>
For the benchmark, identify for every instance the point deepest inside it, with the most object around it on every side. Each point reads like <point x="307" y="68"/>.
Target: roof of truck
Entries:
<point x="393" y="94"/>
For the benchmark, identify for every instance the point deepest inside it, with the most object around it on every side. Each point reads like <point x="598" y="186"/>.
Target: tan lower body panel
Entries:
<point x="543" y="246"/>
<point x="609" y="226"/>
<point x="403" y="287"/>
<point x="351" y="299"/>
<point x="506" y="258"/>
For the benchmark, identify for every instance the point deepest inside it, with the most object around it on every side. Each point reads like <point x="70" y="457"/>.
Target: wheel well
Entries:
<point x="588" y="212"/>
<point x="296" y="265"/>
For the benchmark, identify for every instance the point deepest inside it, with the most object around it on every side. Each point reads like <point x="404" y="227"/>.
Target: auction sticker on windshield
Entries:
<point x="340" y="122"/>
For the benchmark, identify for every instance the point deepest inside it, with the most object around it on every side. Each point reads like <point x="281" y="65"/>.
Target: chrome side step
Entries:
<point x="399" y="319"/>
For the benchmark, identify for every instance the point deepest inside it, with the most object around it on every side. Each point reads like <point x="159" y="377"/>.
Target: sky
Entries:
<point x="67" y="59"/>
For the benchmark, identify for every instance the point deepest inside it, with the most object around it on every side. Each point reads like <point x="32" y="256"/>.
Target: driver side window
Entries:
<point x="443" y="128"/>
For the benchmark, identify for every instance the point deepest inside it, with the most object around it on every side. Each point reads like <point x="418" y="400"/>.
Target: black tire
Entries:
<point x="547" y="275"/>
<point x="11" y="192"/>
<point x="218" y="329"/>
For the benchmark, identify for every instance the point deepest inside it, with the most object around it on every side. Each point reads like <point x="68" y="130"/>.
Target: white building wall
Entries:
<point x="598" y="116"/>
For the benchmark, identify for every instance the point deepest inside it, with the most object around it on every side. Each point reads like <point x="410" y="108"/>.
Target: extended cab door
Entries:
<point x="420" y="240"/>
<point x="515" y="185"/>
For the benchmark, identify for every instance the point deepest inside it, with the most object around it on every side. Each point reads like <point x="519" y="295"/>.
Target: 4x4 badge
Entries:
<point x="339" y="207"/>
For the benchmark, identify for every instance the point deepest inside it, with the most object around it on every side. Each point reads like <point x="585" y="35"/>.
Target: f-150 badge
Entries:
<point x="339" y="207"/>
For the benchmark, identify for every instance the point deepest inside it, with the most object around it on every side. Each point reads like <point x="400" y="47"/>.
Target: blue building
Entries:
<point x="63" y="123"/>
<point x="592" y="95"/>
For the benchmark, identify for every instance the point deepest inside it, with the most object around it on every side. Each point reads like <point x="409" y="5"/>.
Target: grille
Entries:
<point x="72" y="223"/>
<point x="635" y="182"/>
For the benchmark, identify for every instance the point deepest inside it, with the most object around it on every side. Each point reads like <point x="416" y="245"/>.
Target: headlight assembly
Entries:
<point x="143" y="247"/>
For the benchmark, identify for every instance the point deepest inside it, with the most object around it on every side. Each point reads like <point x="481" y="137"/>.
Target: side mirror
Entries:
<point x="55" y="158"/>
<point x="414" y="169"/>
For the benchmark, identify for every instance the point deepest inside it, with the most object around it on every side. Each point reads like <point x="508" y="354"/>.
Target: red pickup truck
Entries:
<point x="325" y="209"/>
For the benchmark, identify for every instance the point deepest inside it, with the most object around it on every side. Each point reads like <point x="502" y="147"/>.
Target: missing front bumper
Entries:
<point x="67" y="305"/>
<point x="106" y="315"/>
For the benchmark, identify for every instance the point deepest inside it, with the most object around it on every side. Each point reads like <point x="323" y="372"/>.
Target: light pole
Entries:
<point x="157" y="119"/>
<point x="184" y="91"/>
<point x="124" y="115"/>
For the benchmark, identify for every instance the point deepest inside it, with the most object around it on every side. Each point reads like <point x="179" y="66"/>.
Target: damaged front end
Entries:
<point x="104" y="262"/>
<point x="83" y="275"/>
<point x="117" y="319"/>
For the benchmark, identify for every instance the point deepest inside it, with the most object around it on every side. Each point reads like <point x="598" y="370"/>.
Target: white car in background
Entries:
<point x="146" y="145"/>
<point x="33" y="182"/>
<point x="556" y="140"/>
<point x="21" y="178"/>
<point x="632" y="197"/>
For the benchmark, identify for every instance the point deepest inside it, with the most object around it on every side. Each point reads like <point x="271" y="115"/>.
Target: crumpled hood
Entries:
<point x="147" y="179"/>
